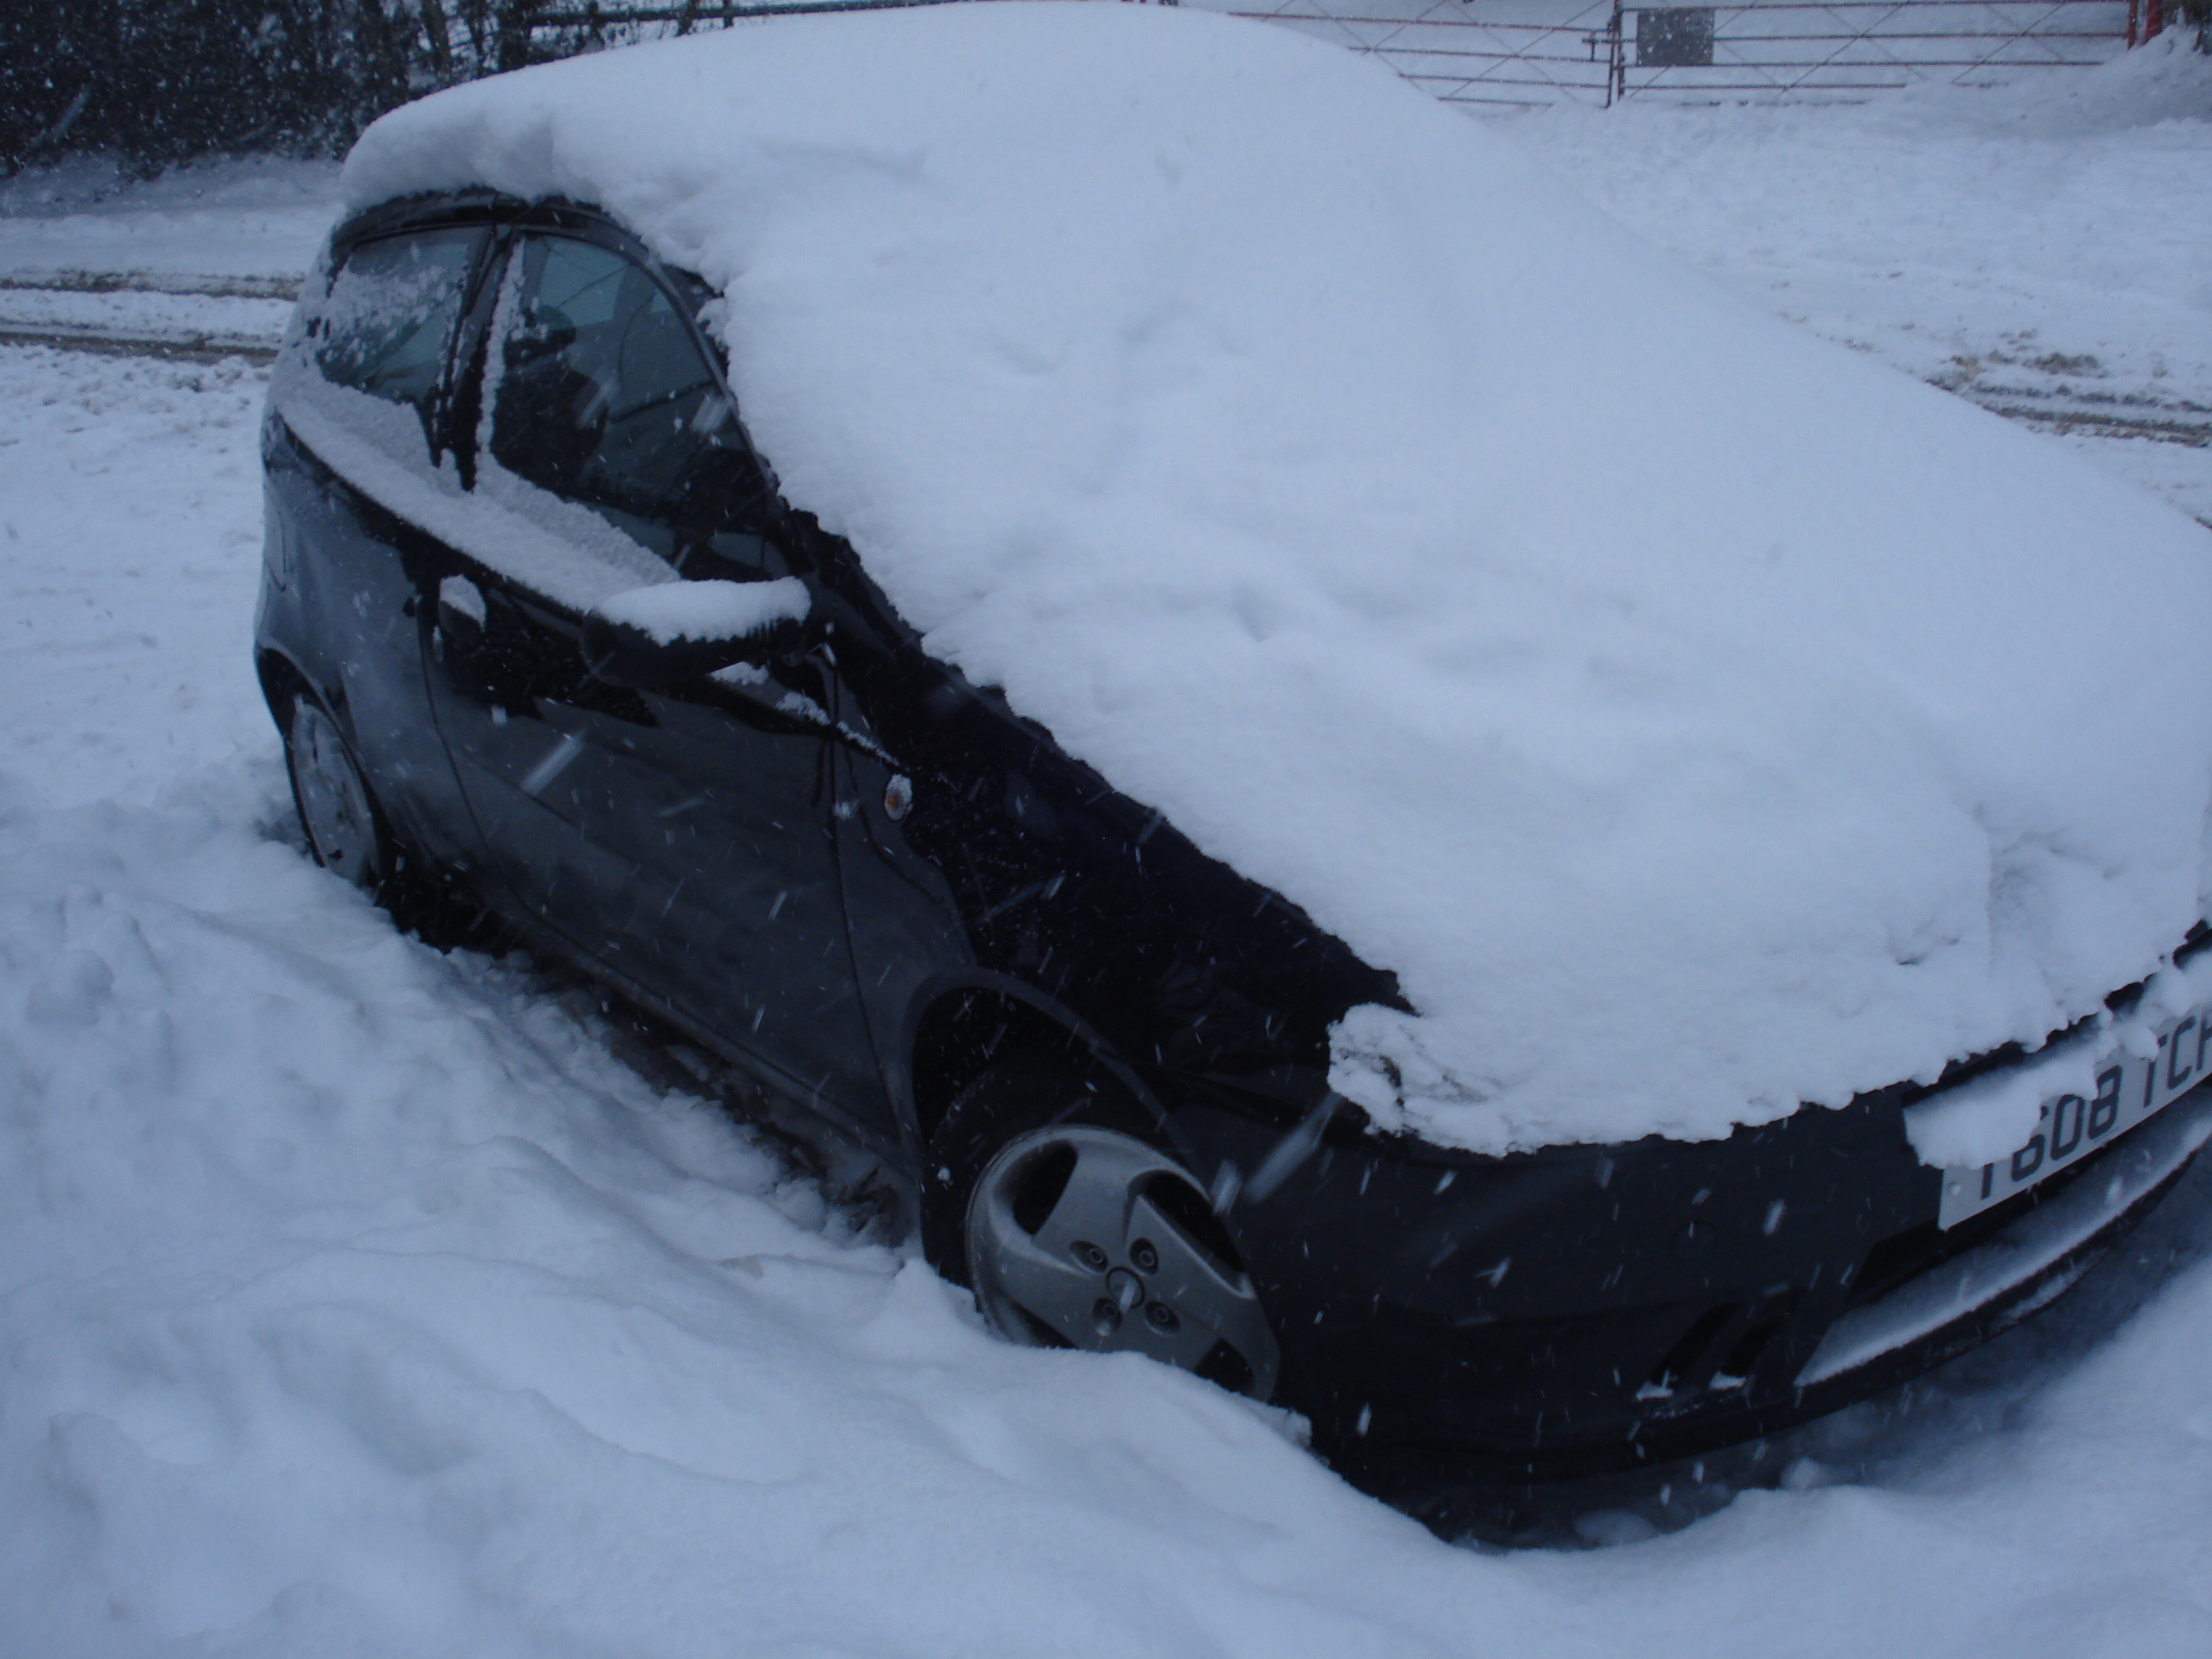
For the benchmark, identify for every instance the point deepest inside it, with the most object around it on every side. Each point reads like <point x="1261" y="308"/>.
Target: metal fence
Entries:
<point x="1596" y="51"/>
<point x="1497" y="51"/>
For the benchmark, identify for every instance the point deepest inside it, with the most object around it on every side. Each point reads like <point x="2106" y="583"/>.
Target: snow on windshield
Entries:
<point x="1697" y="720"/>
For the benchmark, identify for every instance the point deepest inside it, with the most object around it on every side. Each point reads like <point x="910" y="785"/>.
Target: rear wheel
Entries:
<point x="348" y="835"/>
<point x="1052" y="1197"/>
<point x="344" y="829"/>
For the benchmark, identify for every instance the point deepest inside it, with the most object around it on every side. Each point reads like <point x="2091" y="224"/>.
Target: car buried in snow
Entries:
<point x="1327" y="770"/>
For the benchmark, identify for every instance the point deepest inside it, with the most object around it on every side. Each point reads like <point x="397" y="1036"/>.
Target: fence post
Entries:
<point x="1616" y="60"/>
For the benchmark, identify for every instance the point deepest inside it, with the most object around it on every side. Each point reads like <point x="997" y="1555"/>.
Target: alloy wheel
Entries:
<point x="1088" y="1237"/>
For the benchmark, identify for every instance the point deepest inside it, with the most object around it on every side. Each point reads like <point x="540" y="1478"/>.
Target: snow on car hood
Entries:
<point x="1698" y="719"/>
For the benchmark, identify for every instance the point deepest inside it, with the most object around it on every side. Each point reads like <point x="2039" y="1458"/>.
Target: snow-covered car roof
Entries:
<point x="1698" y="719"/>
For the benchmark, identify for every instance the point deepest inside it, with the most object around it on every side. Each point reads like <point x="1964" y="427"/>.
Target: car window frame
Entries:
<point x="415" y="216"/>
<point x="810" y="553"/>
<point x="468" y="352"/>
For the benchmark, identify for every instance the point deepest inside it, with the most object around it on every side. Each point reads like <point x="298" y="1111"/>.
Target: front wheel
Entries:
<point x="1052" y="1199"/>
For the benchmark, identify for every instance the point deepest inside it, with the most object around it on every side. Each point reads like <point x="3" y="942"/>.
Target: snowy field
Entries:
<point x="2041" y="249"/>
<point x="358" y="1300"/>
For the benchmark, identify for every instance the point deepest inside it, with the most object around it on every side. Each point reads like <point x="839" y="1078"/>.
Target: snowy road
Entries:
<point x="354" y="1299"/>
<point x="140" y="312"/>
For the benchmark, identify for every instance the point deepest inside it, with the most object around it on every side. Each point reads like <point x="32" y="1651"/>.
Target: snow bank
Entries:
<point x="1699" y="721"/>
<point x="358" y="1302"/>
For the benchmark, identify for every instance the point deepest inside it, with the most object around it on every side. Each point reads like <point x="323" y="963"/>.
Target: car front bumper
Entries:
<point x="1585" y="1309"/>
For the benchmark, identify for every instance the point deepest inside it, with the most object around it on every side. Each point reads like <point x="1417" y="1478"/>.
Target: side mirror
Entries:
<point x="658" y="635"/>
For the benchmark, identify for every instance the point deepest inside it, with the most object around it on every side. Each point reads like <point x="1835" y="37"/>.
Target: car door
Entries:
<point x="680" y="836"/>
<point x="354" y="474"/>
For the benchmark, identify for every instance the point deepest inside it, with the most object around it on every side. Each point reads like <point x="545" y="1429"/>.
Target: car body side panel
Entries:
<point x="676" y="839"/>
<point x="347" y="620"/>
<point x="681" y="837"/>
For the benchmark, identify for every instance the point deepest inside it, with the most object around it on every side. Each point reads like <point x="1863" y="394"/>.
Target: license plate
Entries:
<point x="2128" y="1089"/>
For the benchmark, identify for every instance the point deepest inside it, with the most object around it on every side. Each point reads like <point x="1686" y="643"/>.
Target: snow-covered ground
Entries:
<point x="2043" y="249"/>
<point x="253" y="218"/>
<point x="354" y="1299"/>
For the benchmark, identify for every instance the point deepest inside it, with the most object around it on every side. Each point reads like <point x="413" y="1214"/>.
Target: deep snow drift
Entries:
<point x="1697" y="720"/>
<point x="354" y="1302"/>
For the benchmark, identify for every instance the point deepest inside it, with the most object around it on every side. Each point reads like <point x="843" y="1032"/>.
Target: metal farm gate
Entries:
<point x="1596" y="51"/>
<point x="1525" y="51"/>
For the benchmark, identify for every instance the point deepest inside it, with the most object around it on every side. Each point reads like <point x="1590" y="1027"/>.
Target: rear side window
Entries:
<point x="391" y="309"/>
<point x="602" y="396"/>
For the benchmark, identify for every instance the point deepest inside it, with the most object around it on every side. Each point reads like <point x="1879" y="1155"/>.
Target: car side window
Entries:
<point x="391" y="310"/>
<point x="600" y="394"/>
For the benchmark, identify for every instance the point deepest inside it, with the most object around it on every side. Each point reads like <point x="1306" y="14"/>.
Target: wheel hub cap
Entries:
<point x="1088" y="1236"/>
